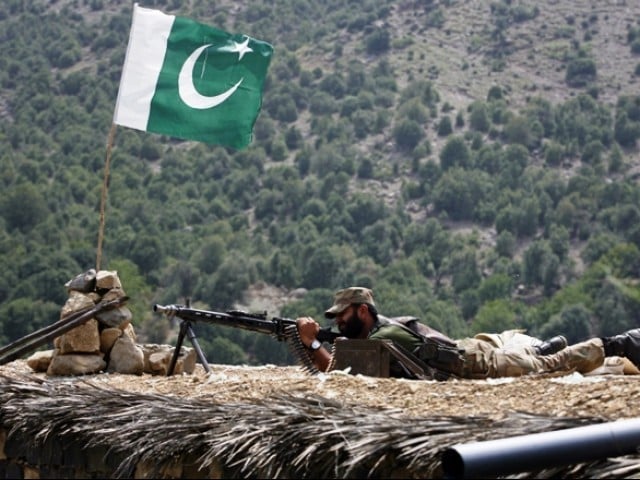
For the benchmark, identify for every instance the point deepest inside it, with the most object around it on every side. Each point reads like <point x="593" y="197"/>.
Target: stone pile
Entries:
<point x="106" y="342"/>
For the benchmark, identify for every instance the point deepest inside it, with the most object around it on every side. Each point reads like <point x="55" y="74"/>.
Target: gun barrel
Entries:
<point x="542" y="450"/>
<point x="253" y="322"/>
<point x="166" y="309"/>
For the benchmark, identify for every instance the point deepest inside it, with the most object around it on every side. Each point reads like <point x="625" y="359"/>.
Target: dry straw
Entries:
<point x="278" y="437"/>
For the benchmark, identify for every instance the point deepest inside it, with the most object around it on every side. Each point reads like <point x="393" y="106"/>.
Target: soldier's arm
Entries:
<point x="308" y="330"/>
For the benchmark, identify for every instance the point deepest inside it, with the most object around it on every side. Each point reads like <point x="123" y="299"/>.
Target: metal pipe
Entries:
<point x="534" y="452"/>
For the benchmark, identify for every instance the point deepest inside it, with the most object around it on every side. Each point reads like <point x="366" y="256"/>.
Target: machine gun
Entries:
<point x="283" y="329"/>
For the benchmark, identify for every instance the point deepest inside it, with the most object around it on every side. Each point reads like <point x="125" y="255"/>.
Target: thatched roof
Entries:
<point x="283" y="434"/>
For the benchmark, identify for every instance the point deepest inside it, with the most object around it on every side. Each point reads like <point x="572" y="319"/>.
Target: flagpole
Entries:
<point x="103" y="199"/>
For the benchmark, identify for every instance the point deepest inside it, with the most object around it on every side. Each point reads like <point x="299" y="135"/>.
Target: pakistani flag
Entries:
<point x="188" y="80"/>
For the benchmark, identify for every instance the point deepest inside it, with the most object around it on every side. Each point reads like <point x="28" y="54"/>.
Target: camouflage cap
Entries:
<point x="348" y="296"/>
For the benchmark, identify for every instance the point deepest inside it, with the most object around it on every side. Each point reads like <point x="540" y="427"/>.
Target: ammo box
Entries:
<point x="365" y="357"/>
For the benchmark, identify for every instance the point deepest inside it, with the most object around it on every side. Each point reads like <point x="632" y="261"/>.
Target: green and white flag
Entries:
<point x="188" y="80"/>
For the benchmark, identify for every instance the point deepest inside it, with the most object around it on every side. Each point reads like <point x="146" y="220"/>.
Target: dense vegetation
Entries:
<point x="358" y="174"/>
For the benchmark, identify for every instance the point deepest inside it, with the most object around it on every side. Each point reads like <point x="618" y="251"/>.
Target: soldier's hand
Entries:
<point x="308" y="329"/>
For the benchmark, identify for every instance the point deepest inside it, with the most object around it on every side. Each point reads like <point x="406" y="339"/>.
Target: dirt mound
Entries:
<point x="609" y="397"/>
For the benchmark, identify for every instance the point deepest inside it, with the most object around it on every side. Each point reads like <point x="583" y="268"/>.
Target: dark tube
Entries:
<point x="533" y="452"/>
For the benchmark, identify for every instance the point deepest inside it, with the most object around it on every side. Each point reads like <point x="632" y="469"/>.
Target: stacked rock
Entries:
<point x="106" y="342"/>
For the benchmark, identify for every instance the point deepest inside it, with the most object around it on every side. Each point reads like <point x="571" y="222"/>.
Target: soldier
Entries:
<point x="508" y="354"/>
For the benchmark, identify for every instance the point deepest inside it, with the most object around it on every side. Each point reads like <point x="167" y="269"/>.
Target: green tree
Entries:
<point x="553" y="154"/>
<point x="497" y="286"/>
<point x="444" y="126"/>
<point x="378" y="41"/>
<point x="147" y="252"/>
<point x="23" y="207"/>
<point x="559" y="241"/>
<point x="321" y="268"/>
<point x="407" y="134"/>
<point x="574" y="322"/>
<point x="378" y="242"/>
<point x="464" y="270"/>
<point x="415" y="111"/>
<point x="210" y="255"/>
<point x="540" y="265"/>
<point x="229" y="282"/>
<point x="469" y="303"/>
<point x="268" y="351"/>
<point x="282" y="270"/>
<point x="455" y="153"/>
<point x="365" y="210"/>
<point x="494" y="316"/>
<point x="518" y="131"/>
<point x="597" y="246"/>
<point x="505" y="244"/>
<point x="23" y="316"/>
<point x="334" y="85"/>
<point x="220" y="350"/>
<point x="581" y="71"/>
<point x="293" y="138"/>
<point x="459" y="193"/>
<point x="626" y="132"/>
<point x="478" y="117"/>
<point x="581" y="120"/>
<point x="445" y="317"/>
<point x="138" y="290"/>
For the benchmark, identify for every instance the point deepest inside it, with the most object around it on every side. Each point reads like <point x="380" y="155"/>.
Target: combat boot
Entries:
<point x="626" y="345"/>
<point x="551" y="346"/>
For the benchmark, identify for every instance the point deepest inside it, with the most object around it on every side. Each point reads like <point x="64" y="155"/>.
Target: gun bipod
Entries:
<point x="186" y="329"/>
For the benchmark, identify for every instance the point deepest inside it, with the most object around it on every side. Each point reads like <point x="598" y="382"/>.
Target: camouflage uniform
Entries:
<point x="507" y="354"/>
<point x="511" y="354"/>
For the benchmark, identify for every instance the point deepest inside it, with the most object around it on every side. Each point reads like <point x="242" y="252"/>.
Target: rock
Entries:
<point x="157" y="359"/>
<point x="76" y="364"/>
<point x="81" y="339"/>
<point x="75" y="302"/>
<point x="129" y="331"/>
<point x="115" y="317"/>
<point x="108" y="337"/>
<point x="85" y="282"/>
<point x="114" y="294"/>
<point x="158" y="363"/>
<point x="126" y="357"/>
<point x="39" y="362"/>
<point x="107" y="280"/>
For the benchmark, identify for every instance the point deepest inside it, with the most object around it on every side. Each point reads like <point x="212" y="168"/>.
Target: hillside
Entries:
<point x="451" y="44"/>
<point x="473" y="162"/>
<point x="534" y="48"/>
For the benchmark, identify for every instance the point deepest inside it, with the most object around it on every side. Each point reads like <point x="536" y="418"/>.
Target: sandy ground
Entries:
<point x="572" y="395"/>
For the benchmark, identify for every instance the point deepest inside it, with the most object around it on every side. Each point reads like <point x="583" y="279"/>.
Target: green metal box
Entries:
<point x="365" y="357"/>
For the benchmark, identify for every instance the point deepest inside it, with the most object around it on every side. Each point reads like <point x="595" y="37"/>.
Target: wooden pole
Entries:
<point x="103" y="199"/>
<point x="36" y="339"/>
<point x="43" y="331"/>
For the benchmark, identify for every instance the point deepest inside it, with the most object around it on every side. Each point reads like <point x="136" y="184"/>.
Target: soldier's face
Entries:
<point x="349" y="323"/>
